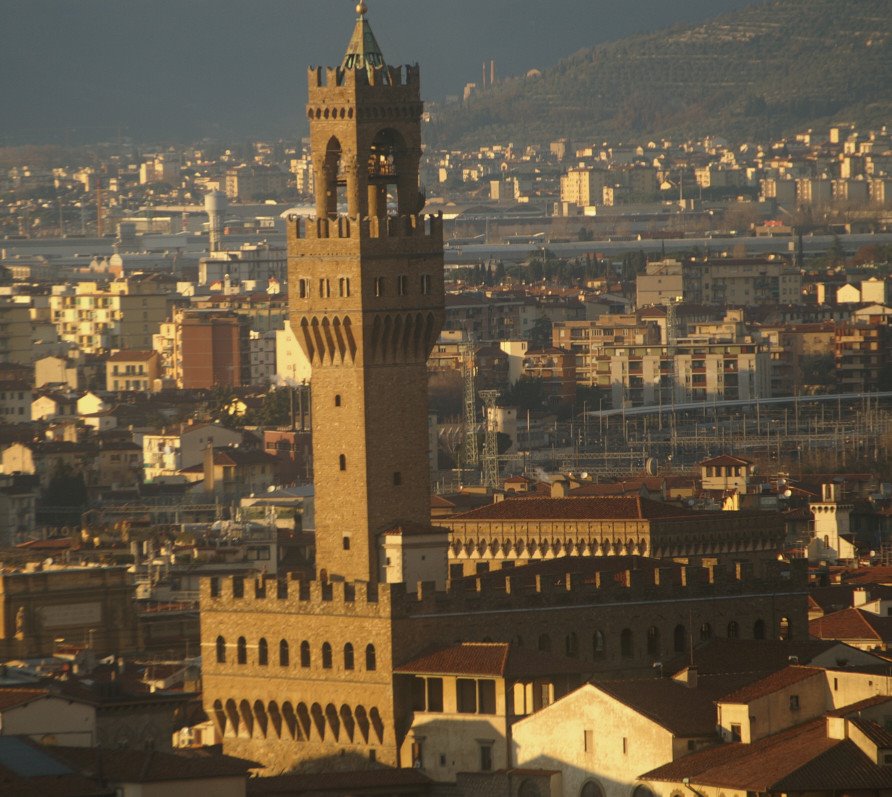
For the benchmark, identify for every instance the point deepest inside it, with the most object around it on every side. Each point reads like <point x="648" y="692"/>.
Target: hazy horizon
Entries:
<point x="169" y="70"/>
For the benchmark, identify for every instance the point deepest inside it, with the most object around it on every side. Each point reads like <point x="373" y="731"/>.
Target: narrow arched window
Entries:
<point x="785" y="629"/>
<point x="653" y="642"/>
<point x="241" y="651"/>
<point x="262" y="652"/>
<point x="342" y="462"/>
<point x="338" y="400"/>
<point x="571" y="645"/>
<point x="679" y="638"/>
<point x="221" y="650"/>
<point x="705" y="632"/>
<point x="598" y="644"/>
<point x="348" y="656"/>
<point x="284" y="653"/>
<point x="304" y="654"/>
<point x="733" y="630"/>
<point x="626" y="646"/>
<point x="326" y="656"/>
<point x="759" y="629"/>
<point x="545" y="643"/>
<point x="371" y="663"/>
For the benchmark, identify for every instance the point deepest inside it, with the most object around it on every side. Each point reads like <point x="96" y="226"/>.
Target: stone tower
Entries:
<point x="366" y="286"/>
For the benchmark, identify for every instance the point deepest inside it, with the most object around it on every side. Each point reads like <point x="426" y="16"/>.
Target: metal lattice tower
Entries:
<point x="490" y="440"/>
<point x="470" y="455"/>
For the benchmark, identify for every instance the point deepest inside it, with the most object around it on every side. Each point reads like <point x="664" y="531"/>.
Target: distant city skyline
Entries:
<point x="97" y="69"/>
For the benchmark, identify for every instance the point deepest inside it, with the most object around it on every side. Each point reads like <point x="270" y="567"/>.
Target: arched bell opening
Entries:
<point x="392" y="169"/>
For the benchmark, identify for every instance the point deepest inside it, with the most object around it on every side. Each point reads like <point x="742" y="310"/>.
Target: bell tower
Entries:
<point x="366" y="304"/>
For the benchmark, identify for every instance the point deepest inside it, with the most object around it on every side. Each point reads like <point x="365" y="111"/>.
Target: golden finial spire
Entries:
<point x="361" y="8"/>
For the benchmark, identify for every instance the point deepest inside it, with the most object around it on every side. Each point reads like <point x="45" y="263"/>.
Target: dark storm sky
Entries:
<point x="75" y="70"/>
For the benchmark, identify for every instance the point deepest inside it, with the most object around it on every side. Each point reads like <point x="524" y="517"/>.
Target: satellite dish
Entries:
<point x="788" y="493"/>
<point x="583" y="475"/>
<point x="650" y="466"/>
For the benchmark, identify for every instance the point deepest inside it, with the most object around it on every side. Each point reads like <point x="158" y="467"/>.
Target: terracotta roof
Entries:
<point x="852" y="624"/>
<point x="789" y="676"/>
<point x="760" y="656"/>
<point x="680" y="709"/>
<point x="839" y="596"/>
<point x="726" y="459"/>
<point x="498" y="659"/>
<point x="573" y="508"/>
<point x="799" y="759"/>
<point x="861" y="705"/>
<point x="868" y="575"/>
<point x="409" y="528"/>
<point x="12" y="698"/>
<point x="874" y="731"/>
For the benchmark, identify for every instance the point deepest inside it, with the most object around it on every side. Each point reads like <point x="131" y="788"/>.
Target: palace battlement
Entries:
<point x="383" y="77"/>
<point x="409" y="227"/>
<point x="505" y="590"/>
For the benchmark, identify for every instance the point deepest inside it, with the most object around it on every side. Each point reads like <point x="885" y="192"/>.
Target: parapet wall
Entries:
<point x="503" y="591"/>
<point x="410" y="233"/>
<point x="386" y="77"/>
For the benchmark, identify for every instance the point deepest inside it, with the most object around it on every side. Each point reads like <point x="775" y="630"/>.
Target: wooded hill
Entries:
<point x="769" y="69"/>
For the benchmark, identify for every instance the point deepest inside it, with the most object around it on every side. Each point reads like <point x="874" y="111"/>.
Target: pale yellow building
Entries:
<point x="123" y="314"/>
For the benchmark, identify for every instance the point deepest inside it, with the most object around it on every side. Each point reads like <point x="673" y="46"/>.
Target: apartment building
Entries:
<point x="691" y="370"/>
<point x="132" y="370"/>
<point x="123" y="314"/>
<point x="587" y="339"/>
<point x="862" y="353"/>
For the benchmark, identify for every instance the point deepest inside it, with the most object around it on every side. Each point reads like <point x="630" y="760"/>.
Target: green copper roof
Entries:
<point x="363" y="51"/>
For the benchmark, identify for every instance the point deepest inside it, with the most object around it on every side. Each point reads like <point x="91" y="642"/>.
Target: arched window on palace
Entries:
<point x="284" y="653"/>
<point x="304" y="654"/>
<point x="348" y="656"/>
<point x="371" y="663"/>
<point x="626" y="646"/>
<point x="221" y="650"/>
<point x="241" y="651"/>
<point x="262" y="652"/>
<point x="326" y="656"/>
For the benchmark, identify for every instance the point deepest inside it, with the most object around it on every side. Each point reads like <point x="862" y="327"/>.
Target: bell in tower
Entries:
<point x="366" y="305"/>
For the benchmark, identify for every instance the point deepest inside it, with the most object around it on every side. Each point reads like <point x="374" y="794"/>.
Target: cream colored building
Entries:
<point x="603" y="735"/>
<point x="123" y="314"/>
<point x="132" y="370"/>
<point x="832" y="540"/>
<point x="583" y="187"/>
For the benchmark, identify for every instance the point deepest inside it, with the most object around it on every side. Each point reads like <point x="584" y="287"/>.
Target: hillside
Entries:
<point x="766" y="69"/>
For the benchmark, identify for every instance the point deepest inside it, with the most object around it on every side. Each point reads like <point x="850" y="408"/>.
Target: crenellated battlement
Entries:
<point x="505" y="590"/>
<point x="386" y="77"/>
<point x="368" y="228"/>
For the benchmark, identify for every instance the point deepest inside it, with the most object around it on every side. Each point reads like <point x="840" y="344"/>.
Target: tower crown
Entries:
<point x="363" y="52"/>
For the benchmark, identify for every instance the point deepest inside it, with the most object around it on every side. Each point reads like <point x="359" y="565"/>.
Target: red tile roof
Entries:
<point x="12" y="698"/>
<point x="775" y="682"/>
<point x="497" y="659"/>
<point x="799" y="759"/>
<point x="852" y="624"/>
<point x="726" y="459"/>
<point x="573" y="508"/>
<point x="684" y="711"/>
